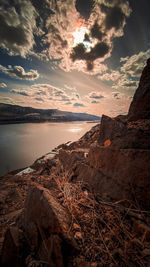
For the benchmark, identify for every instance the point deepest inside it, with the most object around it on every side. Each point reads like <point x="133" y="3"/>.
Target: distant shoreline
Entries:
<point x="19" y="122"/>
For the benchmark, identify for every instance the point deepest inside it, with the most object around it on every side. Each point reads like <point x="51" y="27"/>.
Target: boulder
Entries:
<point x="46" y="223"/>
<point x="45" y="212"/>
<point x="110" y="129"/>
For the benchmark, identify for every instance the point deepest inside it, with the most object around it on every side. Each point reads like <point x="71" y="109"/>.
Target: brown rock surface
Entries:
<point x="12" y="248"/>
<point x="53" y="217"/>
<point x="128" y="171"/>
<point x="140" y="106"/>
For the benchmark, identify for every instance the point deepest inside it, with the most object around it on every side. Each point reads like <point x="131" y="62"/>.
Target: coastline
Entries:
<point x="47" y="121"/>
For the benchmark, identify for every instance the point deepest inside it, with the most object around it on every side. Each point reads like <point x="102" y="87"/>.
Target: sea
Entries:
<point x="21" y="144"/>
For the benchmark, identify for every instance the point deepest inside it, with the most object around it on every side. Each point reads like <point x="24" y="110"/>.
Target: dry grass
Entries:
<point x="104" y="231"/>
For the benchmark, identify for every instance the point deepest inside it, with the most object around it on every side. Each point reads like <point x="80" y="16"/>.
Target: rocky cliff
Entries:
<point x="85" y="204"/>
<point x="140" y="108"/>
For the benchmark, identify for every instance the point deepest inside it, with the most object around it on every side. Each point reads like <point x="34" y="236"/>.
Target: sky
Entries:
<point x="74" y="55"/>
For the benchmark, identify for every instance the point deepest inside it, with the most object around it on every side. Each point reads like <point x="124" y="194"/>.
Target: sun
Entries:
<point x="79" y="37"/>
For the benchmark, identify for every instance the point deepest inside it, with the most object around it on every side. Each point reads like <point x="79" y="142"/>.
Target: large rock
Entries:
<point x="121" y="134"/>
<point x="111" y="128"/>
<point x="46" y="224"/>
<point x="126" y="173"/>
<point x="140" y="106"/>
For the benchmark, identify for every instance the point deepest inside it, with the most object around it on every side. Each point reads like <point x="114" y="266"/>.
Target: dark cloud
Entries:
<point x="11" y="34"/>
<point x="95" y="102"/>
<point x="87" y="38"/>
<point x="84" y="7"/>
<point x="79" y="52"/>
<point x="43" y="9"/>
<point x="98" y="51"/>
<point x="18" y="72"/>
<point x="114" y="18"/>
<point x="78" y="105"/>
<point x="17" y="26"/>
<point x="96" y="32"/>
<point x="90" y="65"/>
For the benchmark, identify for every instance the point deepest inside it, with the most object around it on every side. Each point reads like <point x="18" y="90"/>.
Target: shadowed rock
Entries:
<point x="140" y="106"/>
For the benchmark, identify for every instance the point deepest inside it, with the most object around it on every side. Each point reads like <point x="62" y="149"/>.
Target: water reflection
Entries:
<point x="22" y="144"/>
<point x="76" y="129"/>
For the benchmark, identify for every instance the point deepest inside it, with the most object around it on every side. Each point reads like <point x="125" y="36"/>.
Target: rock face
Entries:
<point x="140" y="106"/>
<point x="127" y="172"/>
<point x="123" y="153"/>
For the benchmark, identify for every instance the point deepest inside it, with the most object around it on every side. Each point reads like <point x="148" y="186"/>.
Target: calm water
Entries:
<point x="22" y="144"/>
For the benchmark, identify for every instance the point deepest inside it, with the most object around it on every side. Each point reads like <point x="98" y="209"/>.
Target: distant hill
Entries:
<point x="18" y="114"/>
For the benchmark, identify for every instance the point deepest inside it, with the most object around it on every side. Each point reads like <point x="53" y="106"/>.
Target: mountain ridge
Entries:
<point x="18" y="114"/>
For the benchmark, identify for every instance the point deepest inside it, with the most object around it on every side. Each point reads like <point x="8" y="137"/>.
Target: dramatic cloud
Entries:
<point x="84" y="7"/>
<point x="79" y="34"/>
<point x="88" y="40"/>
<point x="18" y="26"/>
<point x="47" y="92"/>
<point x="110" y="76"/>
<point x="3" y="85"/>
<point x="98" y="51"/>
<point x="18" y="72"/>
<point x="134" y="65"/>
<point x="95" y="95"/>
<point x="120" y="80"/>
<point x="128" y="75"/>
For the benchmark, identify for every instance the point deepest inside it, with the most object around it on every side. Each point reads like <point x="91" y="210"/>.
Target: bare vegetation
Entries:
<point x="108" y="234"/>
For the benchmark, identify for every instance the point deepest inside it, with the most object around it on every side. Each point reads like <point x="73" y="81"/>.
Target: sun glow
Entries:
<point x="79" y="37"/>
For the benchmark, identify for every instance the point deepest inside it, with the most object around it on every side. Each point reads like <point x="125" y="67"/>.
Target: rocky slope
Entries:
<point x="86" y="203"/>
